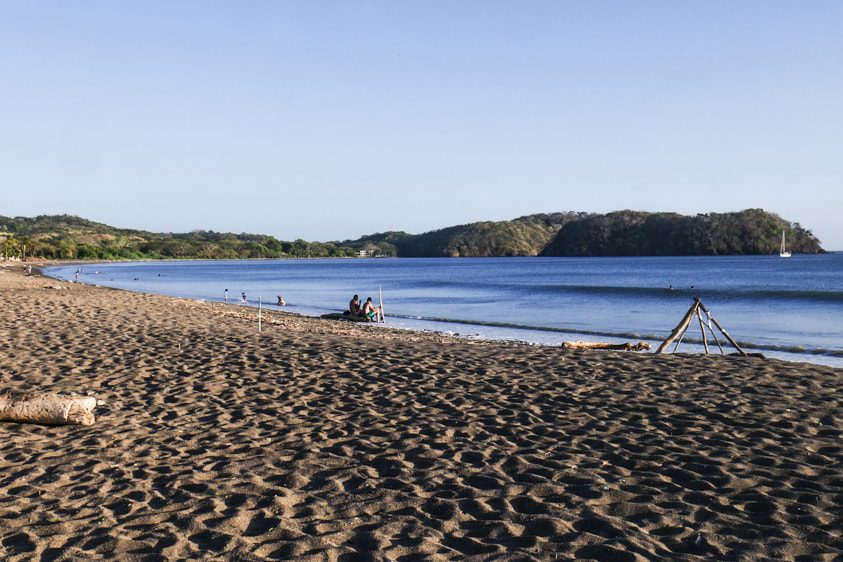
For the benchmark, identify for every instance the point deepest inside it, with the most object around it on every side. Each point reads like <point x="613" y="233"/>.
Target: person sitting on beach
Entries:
<point x="354" y="306"/>
<point x="281" y="301"/>
<point x="369" y="310"/>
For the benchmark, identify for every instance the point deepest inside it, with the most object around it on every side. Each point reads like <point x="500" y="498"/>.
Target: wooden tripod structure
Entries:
<point x="698" y="309"/>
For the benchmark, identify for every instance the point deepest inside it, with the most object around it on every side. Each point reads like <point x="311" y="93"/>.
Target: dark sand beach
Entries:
<point x="319" y="440"/>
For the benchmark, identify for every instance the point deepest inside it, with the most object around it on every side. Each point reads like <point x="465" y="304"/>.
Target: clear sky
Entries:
<point x="328" y="120"/>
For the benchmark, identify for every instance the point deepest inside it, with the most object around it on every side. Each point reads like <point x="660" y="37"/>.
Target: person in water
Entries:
<point x="281" y="301"/>
<point x="243" y="297"/>
<point x="354" y="306"/>
<point x="369" y="310"/>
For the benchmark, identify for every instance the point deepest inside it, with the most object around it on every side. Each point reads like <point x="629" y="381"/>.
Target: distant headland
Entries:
<point x="620" y="233"/>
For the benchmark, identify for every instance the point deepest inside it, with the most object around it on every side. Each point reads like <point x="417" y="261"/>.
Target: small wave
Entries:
<point x="524" y="326"/>
<point x="795" y="349"/>
<point x="722" y="293"/>
<point x="731" y="293"/>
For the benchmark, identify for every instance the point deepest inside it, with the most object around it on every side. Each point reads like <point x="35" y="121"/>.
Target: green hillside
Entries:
<point x="69" y="237"/>
<point x="635" y="233"/>
<point x="622" y="233"/>
<point x="524" y="236"/>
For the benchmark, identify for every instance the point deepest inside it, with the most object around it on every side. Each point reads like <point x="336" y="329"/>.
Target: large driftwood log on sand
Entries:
<point x="50" y="409"/>
<point x="628" y="346"/>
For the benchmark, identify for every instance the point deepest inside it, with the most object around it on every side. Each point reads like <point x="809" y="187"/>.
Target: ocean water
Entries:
<point x="786" y="308"/>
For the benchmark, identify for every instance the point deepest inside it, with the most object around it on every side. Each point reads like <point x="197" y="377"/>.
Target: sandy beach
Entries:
<point x="319" y="440"/>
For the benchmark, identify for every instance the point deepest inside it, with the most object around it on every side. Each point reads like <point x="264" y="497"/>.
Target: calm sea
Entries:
<point x="787" y="308"/>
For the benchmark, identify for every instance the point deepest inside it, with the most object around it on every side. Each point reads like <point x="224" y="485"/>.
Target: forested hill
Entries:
<point x="623" y="233"/>
<point x="524" y="236"/>
<point x="632" y="233"/>
<point x="70" y="237"/>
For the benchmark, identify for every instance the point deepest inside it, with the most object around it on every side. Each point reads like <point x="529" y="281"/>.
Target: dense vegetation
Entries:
<point x="524" y="236"/>
<point x="632" y="233"/>
<point x="68" y="237"/>
<point x="626" y="233"/>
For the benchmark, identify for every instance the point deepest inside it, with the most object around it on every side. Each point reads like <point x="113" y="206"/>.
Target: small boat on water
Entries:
<point x="783" y="253"/>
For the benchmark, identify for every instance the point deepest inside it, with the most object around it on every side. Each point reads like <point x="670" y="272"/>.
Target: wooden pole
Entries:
<point x="713" y="334"/>
<point x="680" y="328"/>
<point x="724" y="332"/>
<point x="702" y="330"/>
<point x="682" y="336"/>
<point x="380" y="301"/>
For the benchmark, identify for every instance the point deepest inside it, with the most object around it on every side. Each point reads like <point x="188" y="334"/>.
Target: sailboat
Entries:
<point x="783" y="253"/>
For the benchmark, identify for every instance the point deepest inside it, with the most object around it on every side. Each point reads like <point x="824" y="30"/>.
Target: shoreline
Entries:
<point x="319" y="441"/>
<point x="234" y="309"/>
<point x="548" y="335"/>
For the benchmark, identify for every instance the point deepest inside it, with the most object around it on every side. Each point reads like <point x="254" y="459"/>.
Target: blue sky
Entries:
<point x="328" y="120"/>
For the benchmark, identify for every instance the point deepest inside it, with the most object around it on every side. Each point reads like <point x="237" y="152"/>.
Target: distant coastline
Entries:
<point x="621" y="233"/>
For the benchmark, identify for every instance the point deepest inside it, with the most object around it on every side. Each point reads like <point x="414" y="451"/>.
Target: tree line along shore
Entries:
<point x="620" y="233"/>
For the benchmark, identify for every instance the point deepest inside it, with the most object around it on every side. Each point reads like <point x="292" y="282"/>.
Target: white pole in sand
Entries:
<point x="380" y="300"/>
<point x="260" y="313"/>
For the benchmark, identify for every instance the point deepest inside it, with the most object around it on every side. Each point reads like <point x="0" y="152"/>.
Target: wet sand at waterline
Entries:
<point x="319" y="440"/>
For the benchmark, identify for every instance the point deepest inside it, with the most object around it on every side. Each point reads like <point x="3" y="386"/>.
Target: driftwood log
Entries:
<point x="50" y="409"/>
<point x="628" y="346"/>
